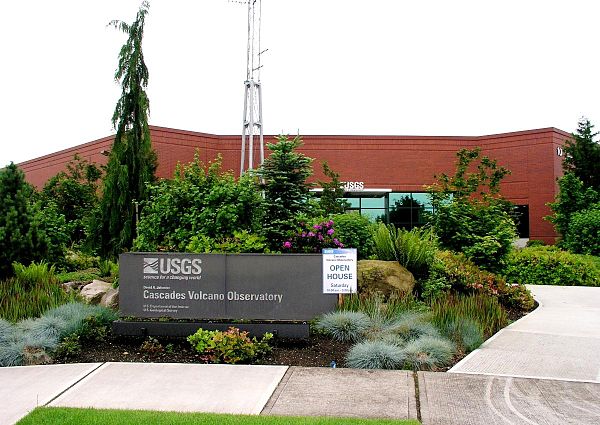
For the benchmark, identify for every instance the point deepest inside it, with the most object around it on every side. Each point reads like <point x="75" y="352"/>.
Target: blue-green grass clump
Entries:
<point x="46" y="332"/>
<point x="466" y="333"/>
<point x="344" y="325"/>
<point x="411" y="326"/>
<point x="48" y="327"/>
<point x="375" y="355"/>
<point x="428" y="353"/>
<point x="7" y="331"/>
<point x="11" y="353"/>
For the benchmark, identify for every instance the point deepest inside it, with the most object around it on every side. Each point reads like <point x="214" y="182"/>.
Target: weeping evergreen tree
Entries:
<point x="132" y="162"/>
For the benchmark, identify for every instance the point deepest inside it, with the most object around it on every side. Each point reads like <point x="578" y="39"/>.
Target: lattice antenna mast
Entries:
<point x="252" y="119"/>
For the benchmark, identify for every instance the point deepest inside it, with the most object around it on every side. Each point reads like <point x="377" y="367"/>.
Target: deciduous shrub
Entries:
<point x="77" y="261"/>
<point x="354" y="231"/>
<point x="74" y="193"/>
<point x="534" y="242"/>
<point x="82" y="276"/>
<point x="549" y="266"/>
<point x="583" y="236"/>
<point x="241" y="241"/>
<point x="232" y="346"/>
<point x="484" y="233"/>
<point x="198" y="201"/>
<point x="313" y="238"/>
<point x="465" y="277"/>
<point x="573" y="197"/>
<point x="470" y="216"/>
<point x="53" y="233"/>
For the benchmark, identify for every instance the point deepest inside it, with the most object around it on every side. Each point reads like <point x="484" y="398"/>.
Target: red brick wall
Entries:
<point x="400" y="163"/>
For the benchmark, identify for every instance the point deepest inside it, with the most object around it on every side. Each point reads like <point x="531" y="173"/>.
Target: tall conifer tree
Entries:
<point x="284" y="174"/>
<point x="582" y="155"/>
<point x="17" y="232"/>
<point x="132" y="162"/>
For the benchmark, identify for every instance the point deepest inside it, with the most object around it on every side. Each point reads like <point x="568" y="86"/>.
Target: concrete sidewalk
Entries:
<point x="542" y="369"/>
<point x="436" y="398"/>
<point x="558" y="340"/>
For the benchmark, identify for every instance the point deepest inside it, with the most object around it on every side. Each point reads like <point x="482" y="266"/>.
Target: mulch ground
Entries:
<point x="316" y="351"/>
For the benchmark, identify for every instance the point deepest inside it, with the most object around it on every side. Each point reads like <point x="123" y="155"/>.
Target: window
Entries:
<point x="403" y="209"/>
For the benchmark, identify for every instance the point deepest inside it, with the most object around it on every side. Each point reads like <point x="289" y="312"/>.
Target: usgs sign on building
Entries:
<point x="223" y="286"/>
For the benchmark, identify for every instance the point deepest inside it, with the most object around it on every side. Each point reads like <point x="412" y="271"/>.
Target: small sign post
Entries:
<point x="339" y="271"/>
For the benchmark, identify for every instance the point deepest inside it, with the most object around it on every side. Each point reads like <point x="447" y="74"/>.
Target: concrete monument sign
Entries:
<point x="222" y="286"/>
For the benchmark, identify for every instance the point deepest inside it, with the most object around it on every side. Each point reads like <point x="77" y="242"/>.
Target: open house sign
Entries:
<point x="339" y="271"/>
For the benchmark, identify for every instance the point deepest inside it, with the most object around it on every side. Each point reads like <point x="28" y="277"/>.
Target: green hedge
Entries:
<point x="551" y="266"/>
<point x="583" y="236"/>
<point x="455" y="273"/>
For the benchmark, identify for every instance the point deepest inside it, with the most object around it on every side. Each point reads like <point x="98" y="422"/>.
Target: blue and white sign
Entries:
<point x="339" y="271"/>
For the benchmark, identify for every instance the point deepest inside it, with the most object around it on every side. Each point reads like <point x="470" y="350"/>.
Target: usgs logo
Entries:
<point x="179" y="266"/>
<point x="353" y="186"/>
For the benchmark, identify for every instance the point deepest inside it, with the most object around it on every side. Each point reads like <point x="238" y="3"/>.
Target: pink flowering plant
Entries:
<point x="312" y="238"/>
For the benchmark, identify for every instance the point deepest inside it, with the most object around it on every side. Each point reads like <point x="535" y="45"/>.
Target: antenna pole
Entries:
<point x="252" y="118"/>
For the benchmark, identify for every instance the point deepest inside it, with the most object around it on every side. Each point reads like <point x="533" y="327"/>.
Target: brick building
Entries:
<point x="385" y="175"/>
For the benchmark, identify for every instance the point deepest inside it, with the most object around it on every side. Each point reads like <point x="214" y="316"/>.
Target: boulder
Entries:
<point x="73" y="286"/>
<point x="385" y="277"/>
<point x="93" y="292"/>
<point x="111" y="299"/>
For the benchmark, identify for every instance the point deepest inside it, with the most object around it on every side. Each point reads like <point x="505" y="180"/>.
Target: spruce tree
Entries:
<point x="582" y="155"/>
<point x="132" y="162"/>
<point x="286" y="191"/>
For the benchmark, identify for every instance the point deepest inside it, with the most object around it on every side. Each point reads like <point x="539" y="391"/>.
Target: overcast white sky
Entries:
<point x="427" y="67"/>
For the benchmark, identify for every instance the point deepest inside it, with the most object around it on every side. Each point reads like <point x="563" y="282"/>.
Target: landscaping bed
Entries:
<point x="316" y="351"/>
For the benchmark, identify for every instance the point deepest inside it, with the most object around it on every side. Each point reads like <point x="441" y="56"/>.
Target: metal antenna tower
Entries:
<point x="252" y="119"/>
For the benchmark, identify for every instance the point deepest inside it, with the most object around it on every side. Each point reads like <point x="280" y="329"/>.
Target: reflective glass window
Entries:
<point x="399" y="199"/>
<point x="378" y="202"/>
<point x="354" y="202"/>
<point x="422" y="199"/>
<point x="374" y="214"/>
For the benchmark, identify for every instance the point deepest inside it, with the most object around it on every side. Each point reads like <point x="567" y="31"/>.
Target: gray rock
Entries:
<point x="73" y="286"/>
<point x="93" y="292"/>
<point x="385" y="277"/>
<point x="111" y="299"/>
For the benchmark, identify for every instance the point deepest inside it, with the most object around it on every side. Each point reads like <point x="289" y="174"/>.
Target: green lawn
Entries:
<point x="67" y="416"/>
